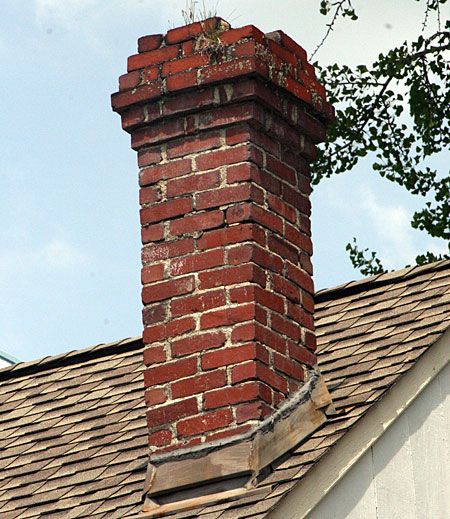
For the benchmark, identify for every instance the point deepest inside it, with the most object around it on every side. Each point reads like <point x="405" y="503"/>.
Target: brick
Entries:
<point x="257" y="370"/>
<point x="153" y="57"/>
<point x="152" y="273"/>
<point x="160" y="438"/>
<point x="308" y="303"/>
<point x="196" y="262"/>
<point x="284" y="287"/>
<point x="288" y="43"/>
<point x="228" y="195"/>
<point x="248" y="31"/>
<point x="162" y="251"/>
<point x="224" y="116"/>
<point x="198" y="384"/>
<point x="243" y="333"/>
<point x="298" y="90"/>
<point x="270" y="338"/>
<point x="154" y="355"/>
<point x="205" y="422"/>
<point x="246" y="48"/>
<point x="187" y="32"/>
<point x="231" y="395"/>
<point x="242" y="253"/>
<point x="152" y="233"/>
<point x="129" y="81"/>
<point x="281" y="170"/>
<point x="193" y="183"/>
<point x="296" y="199"/>
<point x="216" y="159"/>
<point x="288" y="367"/>
<point x="148" y="92"/>
<point x="298" y="314"/>
<point x="172" y="412"/>
<point x="284" y="210"/>
<point x="299" y="239"/>
<point x="227" y="316"/>
<point x="302" y="355"/>
<point x="283" y="248"/>
<point x="196" y="222"/>
<point x="155" y="396"/>
<point x="286" y="327"/>
<point x="252" y="411"/>
<point x="243" y="294"/>
<point x="198" y="303"/>
<point x="170" y="371"/>
<point x="188" y="101"/>
<point x="176" y="168"/>
<point x="184" y="64"/>
<point x="232" y="69"/>
<point x="267" y="260"/>
<point x="150" y="74"/>
<point x="164" y="331"/>
<point x="149" y="156"/>
<point x="150" y="42"/>
<point x="225" y="276"/>
<point x="149" y="195"/>
<point x="227" y="356"/>
<point x="167" y="289"/>
<point x="157" y="132"/>
<point x="302" y="278"/>
<point x="181" y="81"/>
<point x="269" y="300"/>
<point x="310" y="341"/>
<point x="166" y="210"/>
<point x="154" y="314"/>
<point x="197" y="343"/>
<point x="228" y="235"/>
<point x="230" y="431"/>
<point x="194" y="144"/>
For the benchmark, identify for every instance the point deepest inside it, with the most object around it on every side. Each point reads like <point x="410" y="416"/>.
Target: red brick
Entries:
<point x="289" y="44"/>
<point x="167" y="289"/>
<point x="303" y="242"/>
<point x="204" y="423"/>
<point x="289" y="367"/>
<point x="308" y="303"/>
<point x="227" y="316"/>
<point x="184" y="64"/>
<point x="150" y="42"/>
<point x="243" y="294"/>
<point x="283" y="248"/>
<point x="298" y="90"/>
<point x="241" y="172"/>
<point x="230" y="431"/>
<point x="246" y="48"/>
<point x="154" y="355"/>
<point x="173" y="328"/>
<point x="126" y="98"/>
<point x="153" y="57"/>
<point x="129" y="81"/>
<point x="162" y="251"/>
<point x="288" y="289"/>
<point x="297" y="199"/>
<point x="228" y="195"/>
<point x="149" y="195"/>
<point x="172" y="412"/>
<point x="152" y="233"/>
<point x="244" y="332"/>
<point x="310" y="341"/>
<point x="216" y="159"/>
<point x="228" y="235"/>
<point x="248" y="31"/>
<point x="188" y="101"/>
<point x="187" y="32"/>
<point x="175" y="168"/>
<point x="231" y="395"/>
<point x="154" y="314"/>
<point x="196" y="222"/>
<point x="284" y="210"/>
<point x="226" y="356"/>
<point x="157" y="132"/>
<point x="160" y="438"/>
<point x="252" y="411"/>
<point x="193" y="183"/>
<point x="281" y="170"/>
<point x="194" y="144"/>
<point x="149" y="156"/>
<point x="170" y="371"/>
<point x="232" y="69"/>
<point x="301" y="354"/>
<point x="181" y="81"/>
<point x="226" y="276"/>
<point x="188" y="47"/>
<point x="198" y="303"/>
<point x="196" y="343"/>
<point x="197" y="262"/>
<point x="166" y="210"/>
<point x="286" y="327"/>
<point x="150" y="74"/>
<point x="300" y="277"/>
<point x="269" y="299"/>
<point x="223" y="116"/>
<point x="155" y="396"/>
<point x="257" y="370"/>
<point x="152" y="273"/>
<point x="198" y="384"/>
<point x="299" y="315"/>
<point x="270" y="338"/>
<point x="267" y="259"/>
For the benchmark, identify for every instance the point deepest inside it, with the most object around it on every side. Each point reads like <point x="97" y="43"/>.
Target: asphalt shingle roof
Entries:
<point x="72" y="427"/>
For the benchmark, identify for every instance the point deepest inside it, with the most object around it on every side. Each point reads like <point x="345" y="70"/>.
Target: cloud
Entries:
<point x="399" y="242"/>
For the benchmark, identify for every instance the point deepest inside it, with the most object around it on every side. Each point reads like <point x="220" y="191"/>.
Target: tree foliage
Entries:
<point x="397" y="112"/>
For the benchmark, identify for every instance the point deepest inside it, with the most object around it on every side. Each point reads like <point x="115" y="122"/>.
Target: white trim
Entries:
<point x="348" y="450"/>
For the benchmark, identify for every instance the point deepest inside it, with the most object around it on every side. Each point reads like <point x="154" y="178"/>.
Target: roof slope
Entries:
<point x="72" y="427"/>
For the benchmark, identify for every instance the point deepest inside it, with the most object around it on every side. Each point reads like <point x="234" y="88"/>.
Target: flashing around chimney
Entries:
<point x="225" y="123"/>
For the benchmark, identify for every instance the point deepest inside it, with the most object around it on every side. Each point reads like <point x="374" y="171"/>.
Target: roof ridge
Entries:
<point x="68" y="357"/>
<point x="380" y="279"/>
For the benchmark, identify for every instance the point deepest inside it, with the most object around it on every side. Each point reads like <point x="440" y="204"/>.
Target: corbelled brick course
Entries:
<point x="225" y="123"/>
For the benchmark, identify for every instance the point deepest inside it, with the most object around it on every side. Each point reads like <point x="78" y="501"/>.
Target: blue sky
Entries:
<point x="69" y="235"/>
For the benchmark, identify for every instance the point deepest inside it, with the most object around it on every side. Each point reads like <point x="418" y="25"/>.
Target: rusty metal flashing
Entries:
<point x="245" y="454"/>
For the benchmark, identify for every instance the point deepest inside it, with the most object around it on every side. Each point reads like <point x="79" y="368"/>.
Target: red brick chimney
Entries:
<point x="225" y="123"/>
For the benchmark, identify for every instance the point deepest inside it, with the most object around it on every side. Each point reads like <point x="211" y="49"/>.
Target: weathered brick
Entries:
<point x="229" y="235"/>
<point x="197" y="343"/>
<point x="301" y="354"/>
<point x="231" y="395"/>
<point x="149" y="195"/>
<point x="286" y="288"/>
<point x="204" y="422"/>
<point x="286" y="327"/>
<point x="257" y="370"/>
<point x="248" y="31"/>
<point x="187" y="32"/>
<point x="300" y="277"/>
<point x="152" y="233"/>
<point x="154" y="355"/>
<point x="172" y="412"/>
<point x="173" y="328"/>
<point x="283" y="248"/>
<point x="167" y="289"/>
<point x="194" y="144"/>
<point x="150" y="42"/>
<point x="196" y="222"/>
<point x="152" y="273"/>
<point x="128" y="81"/>
<point x="160" y="438"/>
<point x="155" y="396"/>
<point x="176" y="168"/>
<point x="227" y="356"/>
<point x="154" y="314"/>
<point x="193" y="183"/>
<point x="170" y="371"/>
<point x="227" y="316"/>
<point x="198" y="303"/>
<point x="166" y="210"/>
<point x="184" y="64"/>
<point x="252" y="411"/>
<point x="196" y="262"/>
<point x="144" y="59"/>
<point x="228" y="195"/>
<point x="181" y="81"/>
<point x="198" y="384"/>
<point x="162" y="251"/>
<point x="226" y="276"/>
<point x="289" y="367"/>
